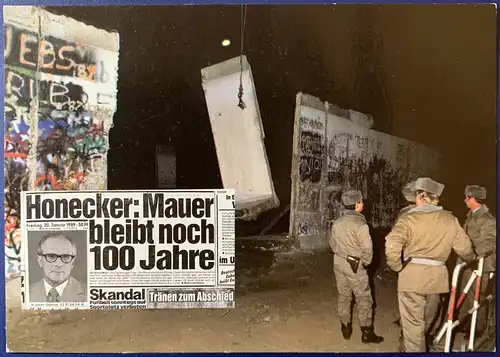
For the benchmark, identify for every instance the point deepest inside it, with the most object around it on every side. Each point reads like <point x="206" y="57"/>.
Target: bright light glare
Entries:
<point x="226" y="42"/>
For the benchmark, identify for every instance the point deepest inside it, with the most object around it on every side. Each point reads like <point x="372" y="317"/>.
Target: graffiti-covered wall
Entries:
<point x="334" y="152"/>
<point x="60" y="97"/>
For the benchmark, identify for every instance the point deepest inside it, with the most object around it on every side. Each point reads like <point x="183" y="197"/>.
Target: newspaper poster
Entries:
<point x="128" y="249"/>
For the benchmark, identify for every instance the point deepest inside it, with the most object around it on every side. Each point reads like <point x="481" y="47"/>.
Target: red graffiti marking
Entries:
<point x="15" y="154"/>
<point x="47" y="180"/>
<point x="94" y="131"/>
<point x="80" y="176"/>
<point x="11" y="222"/>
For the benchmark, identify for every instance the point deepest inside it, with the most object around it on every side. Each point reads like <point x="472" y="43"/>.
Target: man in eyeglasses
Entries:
<point x="56" y="257"/>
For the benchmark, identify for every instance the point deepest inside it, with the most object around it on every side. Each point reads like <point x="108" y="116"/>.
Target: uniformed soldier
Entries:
<point x="480" y="225"/>
<point x="353" y="248"/>
<point x="426" y="234"/>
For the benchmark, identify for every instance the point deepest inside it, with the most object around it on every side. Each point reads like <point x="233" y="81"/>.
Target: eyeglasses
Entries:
<point x="51" y="258"/>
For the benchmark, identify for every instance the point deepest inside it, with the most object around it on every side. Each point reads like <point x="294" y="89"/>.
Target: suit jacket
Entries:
<point x="75" y="291"/>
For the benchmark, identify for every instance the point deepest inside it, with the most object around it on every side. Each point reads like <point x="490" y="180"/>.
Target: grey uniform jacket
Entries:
<point x="481" y="227"/>
<point x="350" y="235"/>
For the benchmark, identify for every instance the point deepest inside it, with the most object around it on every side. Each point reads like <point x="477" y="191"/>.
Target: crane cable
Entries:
<point x="243" y="21"/>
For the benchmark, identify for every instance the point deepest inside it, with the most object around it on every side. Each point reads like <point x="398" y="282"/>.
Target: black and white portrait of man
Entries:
<point x="57" y="266"/>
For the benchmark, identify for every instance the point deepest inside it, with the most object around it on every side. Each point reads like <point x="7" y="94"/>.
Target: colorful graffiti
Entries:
<point x="12" y="242"/>
<point x="59" y="104"/>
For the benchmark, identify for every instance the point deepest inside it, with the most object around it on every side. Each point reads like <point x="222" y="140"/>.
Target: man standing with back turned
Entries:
<point x="353" y="248"/>
<point x="426" y="234"/>
<point x="481" y="227"/>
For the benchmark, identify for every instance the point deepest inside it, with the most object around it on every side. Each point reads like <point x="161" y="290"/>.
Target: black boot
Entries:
<point x="346" y="330"/>
<point x="368" y="335"/>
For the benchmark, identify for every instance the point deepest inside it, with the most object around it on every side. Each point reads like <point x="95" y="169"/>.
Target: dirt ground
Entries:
<point x="293" y="309"/>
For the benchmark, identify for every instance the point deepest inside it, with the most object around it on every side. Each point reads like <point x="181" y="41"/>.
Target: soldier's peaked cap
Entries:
<point x="409" y="192"/>
<point x="429" y="185"/>
<point x="351" y="197"/>
<point x="475" y="191"/>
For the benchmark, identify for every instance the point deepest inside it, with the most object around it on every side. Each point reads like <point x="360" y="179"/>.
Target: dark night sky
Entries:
<point x="425" y="72"/>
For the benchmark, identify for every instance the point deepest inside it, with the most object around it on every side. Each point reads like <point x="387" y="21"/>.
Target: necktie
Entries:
<point x="53" y="295"/>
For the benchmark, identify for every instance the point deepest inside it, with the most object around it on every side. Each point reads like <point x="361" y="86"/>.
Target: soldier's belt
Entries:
<point x="345" y="256"/>
<point x="425" y="261"/>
